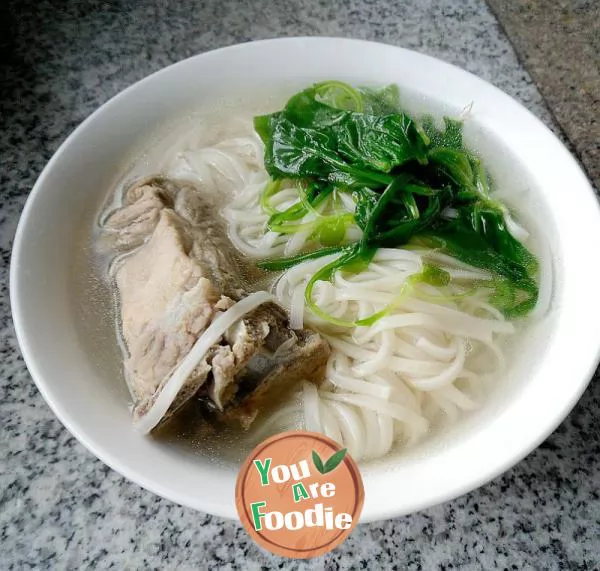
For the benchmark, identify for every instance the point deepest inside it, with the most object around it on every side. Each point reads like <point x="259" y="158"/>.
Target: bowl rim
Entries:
<point x="384" y="511"/>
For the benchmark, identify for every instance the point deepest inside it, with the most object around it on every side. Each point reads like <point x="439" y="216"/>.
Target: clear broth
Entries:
<point x="95" y="301"/>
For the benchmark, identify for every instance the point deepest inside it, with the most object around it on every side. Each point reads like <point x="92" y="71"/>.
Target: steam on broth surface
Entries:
<point x="375" y="231"/>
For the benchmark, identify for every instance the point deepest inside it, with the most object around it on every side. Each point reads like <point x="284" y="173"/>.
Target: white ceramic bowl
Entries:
<point x="549" y="373"/>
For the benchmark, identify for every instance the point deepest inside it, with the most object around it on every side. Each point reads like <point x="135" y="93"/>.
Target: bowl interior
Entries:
<point x="78" y="374"/>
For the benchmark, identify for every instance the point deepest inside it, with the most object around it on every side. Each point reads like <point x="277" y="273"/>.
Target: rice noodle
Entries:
<point x="235" y="166"/>
<point x="311" y="408"/>
<point x="517" y="231"/>
<point x="390" y="381"/>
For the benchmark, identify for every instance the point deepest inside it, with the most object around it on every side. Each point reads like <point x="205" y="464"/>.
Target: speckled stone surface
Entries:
<point x="559" y="43"/>
<point x="60" y="508"/>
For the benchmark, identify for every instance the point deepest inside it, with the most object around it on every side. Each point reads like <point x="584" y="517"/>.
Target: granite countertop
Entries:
<point x="559" y="42"/>
<point x="60" y="508"/>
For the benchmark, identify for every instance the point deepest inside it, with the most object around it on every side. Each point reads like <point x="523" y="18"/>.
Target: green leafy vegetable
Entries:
<point x="310" y="138"/>
<point x="327" y="229"/>
<point x="409" y="181"/>
<point x="272" y="188"/>
<point x="382" y="101"/>
<point x="339" y="95"/>
<point x="449" y="138"/>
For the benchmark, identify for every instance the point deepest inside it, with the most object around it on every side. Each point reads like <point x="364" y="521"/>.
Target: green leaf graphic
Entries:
<point x="318" y="462"/>
<point x="334" y="461"/>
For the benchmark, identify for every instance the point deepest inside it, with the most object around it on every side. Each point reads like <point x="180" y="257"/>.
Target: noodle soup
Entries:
<point x="418" y="336"/>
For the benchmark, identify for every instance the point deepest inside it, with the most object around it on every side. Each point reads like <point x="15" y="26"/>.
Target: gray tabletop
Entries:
<point x="60" y="508"/>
